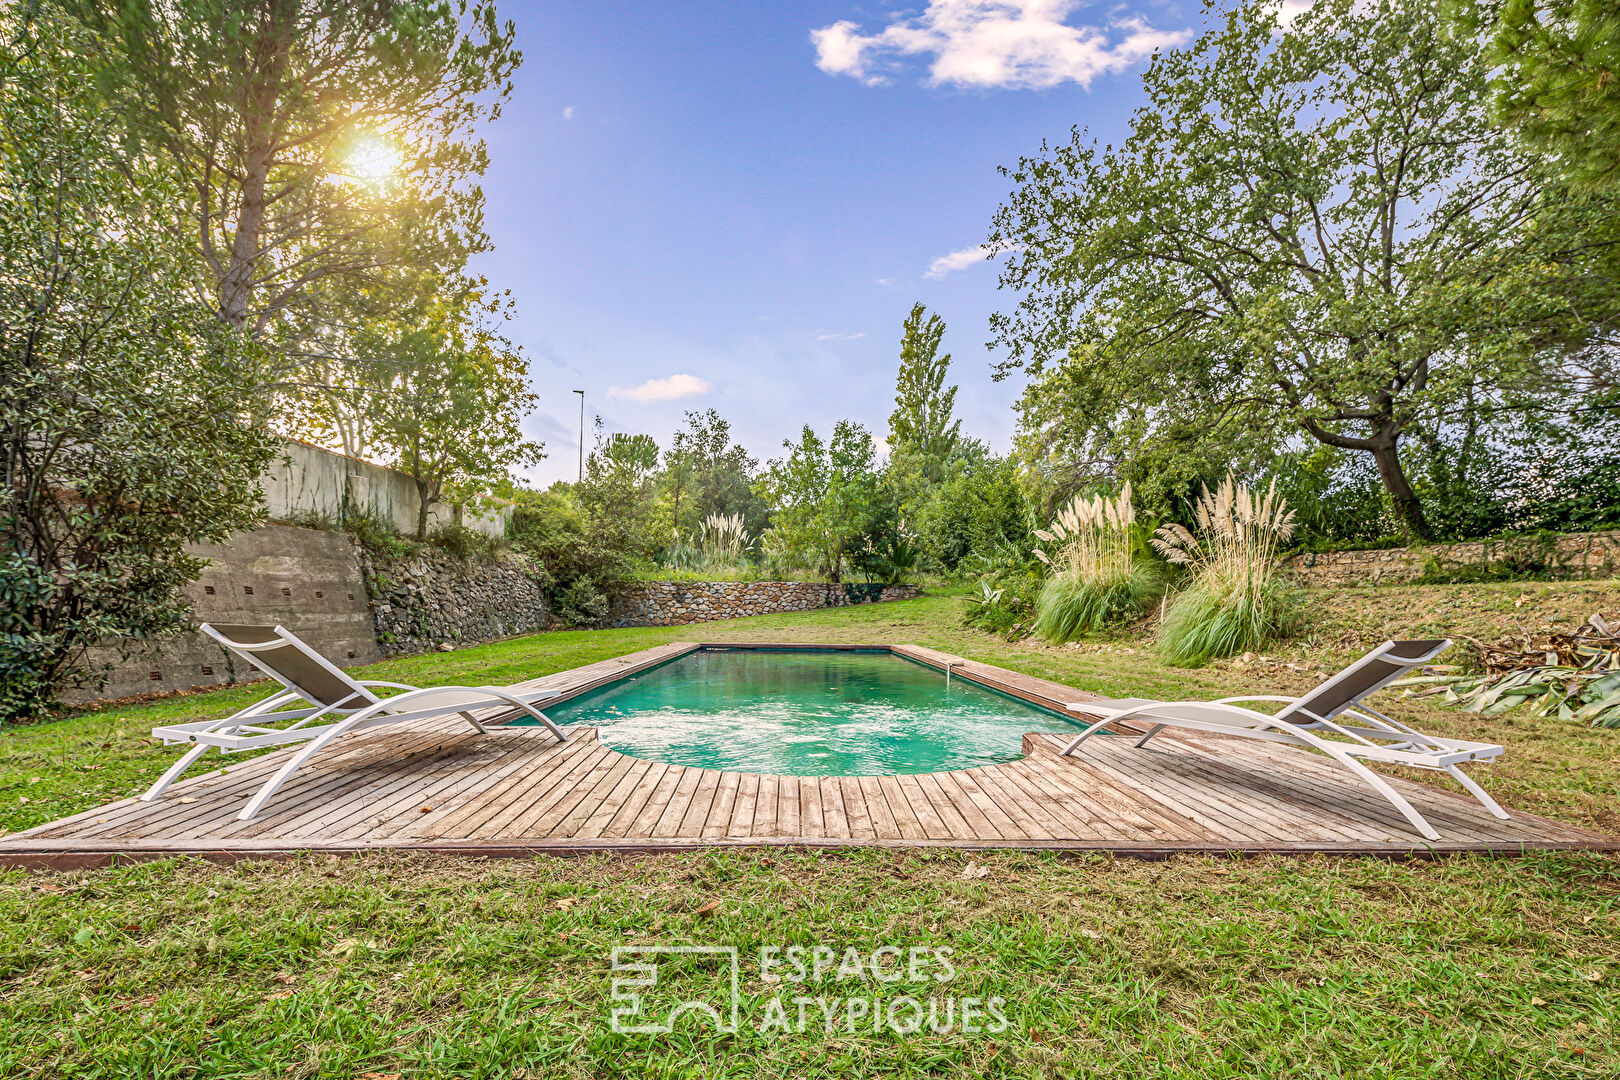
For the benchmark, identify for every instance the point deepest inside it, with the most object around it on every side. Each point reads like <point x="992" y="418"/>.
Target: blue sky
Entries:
<point x="733" y="204"/>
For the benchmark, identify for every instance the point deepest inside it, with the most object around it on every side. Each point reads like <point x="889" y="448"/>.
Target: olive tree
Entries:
<point x="1312" y="230"/>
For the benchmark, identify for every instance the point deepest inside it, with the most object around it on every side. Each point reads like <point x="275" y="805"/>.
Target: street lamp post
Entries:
<point x="581" y="394"/>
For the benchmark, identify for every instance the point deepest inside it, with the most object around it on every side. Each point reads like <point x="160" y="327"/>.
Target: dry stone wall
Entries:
<point x="1576" y="556"/>
<point x="431" y="600"/>
<point x="677" y="603"/>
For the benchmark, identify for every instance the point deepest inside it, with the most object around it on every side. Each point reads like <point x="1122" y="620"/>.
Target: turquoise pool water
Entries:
<point x="807" y="713"/>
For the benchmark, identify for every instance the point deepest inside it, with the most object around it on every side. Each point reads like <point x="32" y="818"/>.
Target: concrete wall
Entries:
<point x="308" y="481"/>
<point x="1579" y="555"/>
<point x="676" y="603"/>
<point x="308" y="580"/>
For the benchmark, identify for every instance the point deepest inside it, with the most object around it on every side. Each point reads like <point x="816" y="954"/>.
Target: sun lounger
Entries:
<point x="317" y="703"/>
<point x="1334" y="718"/>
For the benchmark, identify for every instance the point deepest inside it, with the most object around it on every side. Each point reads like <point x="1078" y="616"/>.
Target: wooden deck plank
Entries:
<point x="855" y="809"/>
<point x="531" y="815"/>
<point x="904" y="813"/>
<point x="697" y="814"/>
<point x="812" y="818"/>
<point x="765" y="806"/>
<point x="609" y="807"/>
<point x="877" y="808"/>
<point x="669" y="822"/>
<point x="922" y="809"/>
<point x="787" y="806"/>
<point x="641" y="801"/>
<point x="941" y="803"/>
<point x="832" y="809"/>
<point x="742" y="814"/>
<point x="589" y="802"/>
<point x="718" y="823"/>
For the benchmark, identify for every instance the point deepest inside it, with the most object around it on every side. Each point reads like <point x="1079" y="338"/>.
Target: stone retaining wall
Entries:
<point x="676" y="603"/>
<point x="1576" y="556"/>
<point x="433" y="599"/>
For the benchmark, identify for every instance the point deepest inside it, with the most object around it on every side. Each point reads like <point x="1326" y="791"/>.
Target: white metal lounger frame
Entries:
<point x="1373" y="736"/>
<point x="248" y="728"/>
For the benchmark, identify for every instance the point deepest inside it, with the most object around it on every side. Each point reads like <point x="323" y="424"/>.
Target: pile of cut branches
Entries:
<point x="1575" y="676"/>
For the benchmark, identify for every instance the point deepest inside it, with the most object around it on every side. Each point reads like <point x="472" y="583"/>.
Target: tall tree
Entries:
<point x="825" y="498"/>
<point x="1313" y="227"/>
<point x="706" y="473"/>
<point x="450" y="411"/>
<point x="120" y="396"/>
<point x="322" y="142"/>
<point x="922" y="431"/>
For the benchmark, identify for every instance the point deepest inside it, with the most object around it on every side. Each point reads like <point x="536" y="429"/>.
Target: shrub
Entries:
<point x="464" y="543"/>
<point x="1095" y="575"/>
<point x="1233" y="600"/>
<point x="1001" y="609"/>
<point x="581" y="604"/>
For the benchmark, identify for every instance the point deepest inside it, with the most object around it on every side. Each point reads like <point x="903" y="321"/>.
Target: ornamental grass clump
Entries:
<point x="1094" y="574"/>
<point x="1233" y="599"/>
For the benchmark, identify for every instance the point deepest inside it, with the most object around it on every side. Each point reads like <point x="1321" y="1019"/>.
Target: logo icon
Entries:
<point x="697" y="979"/>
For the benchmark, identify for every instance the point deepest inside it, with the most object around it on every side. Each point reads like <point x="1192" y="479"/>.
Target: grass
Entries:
<point x="1465" y="967"/>
<point x="1192" y="968"/>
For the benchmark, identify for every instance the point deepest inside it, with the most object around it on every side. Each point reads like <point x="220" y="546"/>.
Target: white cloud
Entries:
<point x="840" y="337"/>
<point x="958" y="260"/>
<point x="568" y="113"/>
<point x="673" y="388"/>
<point x="1002" y="44"/>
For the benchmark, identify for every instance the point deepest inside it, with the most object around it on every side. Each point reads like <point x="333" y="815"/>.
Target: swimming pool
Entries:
<point x="807" y="712"/>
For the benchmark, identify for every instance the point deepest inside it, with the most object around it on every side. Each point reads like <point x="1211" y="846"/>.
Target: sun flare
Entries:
<point x="373" y="160"/>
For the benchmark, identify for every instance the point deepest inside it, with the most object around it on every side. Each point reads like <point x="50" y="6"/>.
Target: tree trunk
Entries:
<point x="424" y="497"/>
<point x="1408" y="508"/>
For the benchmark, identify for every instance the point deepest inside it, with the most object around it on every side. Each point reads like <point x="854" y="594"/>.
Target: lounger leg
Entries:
<point x="187" y="760"/>
<point x="262" y="796"/>
<point x="1476" y="791"/>
<point x="1154" y="730"/>
<point x="1378" y="784"/>
<point x="473" y="720"/>
<point x="1084" y="735"/>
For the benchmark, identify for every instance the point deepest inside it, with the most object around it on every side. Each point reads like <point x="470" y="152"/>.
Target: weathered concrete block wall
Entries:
<point x="434" y="599"/>
<point x="305" y="480"/>
<point x="676" y="603"/>
<point x="1576" y="556"/>
<point x="308" y="580"/>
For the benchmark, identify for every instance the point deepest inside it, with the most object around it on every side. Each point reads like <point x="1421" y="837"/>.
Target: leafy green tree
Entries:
<point x="449" y="413"/>
<point x="705" y="473"/>
<point x="923" y="434"/>
<point x="1559" y="87"/>
<point x="826" y="498"/>
<point x="322" y="143"/>
<point x="121" y="397"/>
<point x="976" y="510"/>
<point x="1312" y="228"/>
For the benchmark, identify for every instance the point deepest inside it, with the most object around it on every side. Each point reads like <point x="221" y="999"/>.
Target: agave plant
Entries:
<point x="1233" y="599"/>
<point x="1575" y="677"/>
<point x="1093" y="572"/>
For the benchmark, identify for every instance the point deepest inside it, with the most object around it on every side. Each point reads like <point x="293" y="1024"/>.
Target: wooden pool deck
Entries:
<point x="516" y="791"/>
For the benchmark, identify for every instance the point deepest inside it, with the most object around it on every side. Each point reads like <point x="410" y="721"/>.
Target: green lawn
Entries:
<point x="1465" y="967"/>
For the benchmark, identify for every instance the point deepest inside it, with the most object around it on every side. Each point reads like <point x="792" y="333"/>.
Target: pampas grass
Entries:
<point x="1094" y="573"/>
<point x="1233" y="600"/>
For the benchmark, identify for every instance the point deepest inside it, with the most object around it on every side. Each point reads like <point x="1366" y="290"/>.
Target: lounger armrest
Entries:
<point x="1251" y="697"/>
<point x="183" y="732"/>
